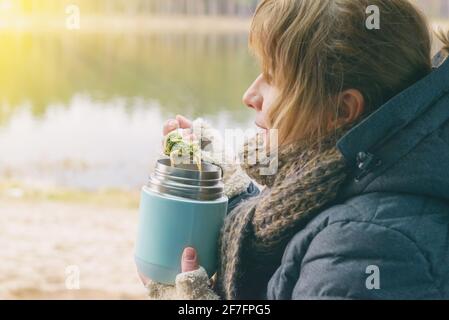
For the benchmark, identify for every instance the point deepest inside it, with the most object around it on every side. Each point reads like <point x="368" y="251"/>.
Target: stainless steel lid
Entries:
<point x="186" y="181"/>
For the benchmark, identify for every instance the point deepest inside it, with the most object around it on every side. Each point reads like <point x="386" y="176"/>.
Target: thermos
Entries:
<point x="180" y="207"/>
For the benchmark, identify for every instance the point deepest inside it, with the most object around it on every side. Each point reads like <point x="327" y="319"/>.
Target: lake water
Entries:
<point x="86" y="110"/>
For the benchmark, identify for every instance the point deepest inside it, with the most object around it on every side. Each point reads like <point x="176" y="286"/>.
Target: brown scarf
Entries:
<point x="255" y="234"/>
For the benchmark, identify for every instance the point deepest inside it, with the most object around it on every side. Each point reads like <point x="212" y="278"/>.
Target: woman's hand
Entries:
<point x="236" y="181"/>
<point x="192" y="283"/>
<point x="180" y="122"/>
<point x="189" y="262"/>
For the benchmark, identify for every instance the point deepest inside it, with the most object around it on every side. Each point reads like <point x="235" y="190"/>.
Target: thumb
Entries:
<point x="189" y="261"/>
<point x="184" y="123"/>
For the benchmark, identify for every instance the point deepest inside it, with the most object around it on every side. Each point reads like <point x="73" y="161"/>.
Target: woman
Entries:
<point x="359" y="207"/>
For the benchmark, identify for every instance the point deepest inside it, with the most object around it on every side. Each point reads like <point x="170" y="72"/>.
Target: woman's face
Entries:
<point x="260" y="96"/>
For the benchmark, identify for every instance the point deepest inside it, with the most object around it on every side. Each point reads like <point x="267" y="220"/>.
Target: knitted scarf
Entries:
<point x="256" y="233"/>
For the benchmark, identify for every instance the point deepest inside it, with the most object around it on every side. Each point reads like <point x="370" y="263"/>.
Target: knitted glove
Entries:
<point x="236" y="181"/>
<point x="193" y="285"/>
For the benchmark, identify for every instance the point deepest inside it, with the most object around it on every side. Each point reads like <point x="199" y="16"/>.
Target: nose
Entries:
<point x="253" y="97"/>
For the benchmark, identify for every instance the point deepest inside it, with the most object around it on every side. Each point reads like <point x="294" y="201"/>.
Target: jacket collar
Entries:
<point x="385" y="136"/>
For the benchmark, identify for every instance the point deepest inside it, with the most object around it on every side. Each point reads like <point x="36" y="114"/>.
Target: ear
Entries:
<point x="352" y="107"/>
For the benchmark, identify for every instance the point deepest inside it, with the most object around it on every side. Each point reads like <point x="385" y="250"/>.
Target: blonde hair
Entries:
<point x="312" y="50"/>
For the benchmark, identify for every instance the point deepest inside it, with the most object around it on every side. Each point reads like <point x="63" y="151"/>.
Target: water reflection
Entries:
<point x="85" y="110"/>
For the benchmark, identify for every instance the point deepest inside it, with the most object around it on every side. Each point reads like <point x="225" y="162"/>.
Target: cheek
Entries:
<point x="269" y="99"/>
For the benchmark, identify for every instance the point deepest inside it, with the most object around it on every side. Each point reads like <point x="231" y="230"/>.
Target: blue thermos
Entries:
<point x="180" y="207"/>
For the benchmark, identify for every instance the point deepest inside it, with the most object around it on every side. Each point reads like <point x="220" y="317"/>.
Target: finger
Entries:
<point x="169" y="126"/>
<point x="189" y="261"/>
<point x="184" y="123"/>
<point x="188" y="136"/>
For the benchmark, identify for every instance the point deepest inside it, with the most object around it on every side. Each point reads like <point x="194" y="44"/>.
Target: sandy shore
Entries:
<point x="41" y="241"/>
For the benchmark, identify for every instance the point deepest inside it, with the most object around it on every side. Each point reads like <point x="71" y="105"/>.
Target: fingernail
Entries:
<point x="173" y="124"/>
<point x="189" y="254"/>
